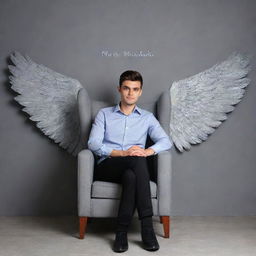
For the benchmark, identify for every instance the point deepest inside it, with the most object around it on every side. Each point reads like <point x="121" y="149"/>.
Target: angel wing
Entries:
<point x="50" y="99"/>
<point x="199" y="103"/>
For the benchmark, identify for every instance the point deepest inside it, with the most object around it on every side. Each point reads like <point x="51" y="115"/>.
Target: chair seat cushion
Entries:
<point x="105" y="189"/>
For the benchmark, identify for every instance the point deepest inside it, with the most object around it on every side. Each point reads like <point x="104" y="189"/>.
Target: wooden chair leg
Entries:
<point x="82" y="226"/>
<point x="166" y="220"/>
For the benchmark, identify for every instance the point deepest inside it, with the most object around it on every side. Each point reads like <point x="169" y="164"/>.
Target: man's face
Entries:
<point x="130" y="92"/>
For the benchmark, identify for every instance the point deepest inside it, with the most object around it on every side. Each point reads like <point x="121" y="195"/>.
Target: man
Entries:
<point x="118" y="139"/>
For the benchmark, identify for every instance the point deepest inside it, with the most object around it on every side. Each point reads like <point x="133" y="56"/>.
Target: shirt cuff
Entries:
<point x="155" y="149"/>
<point x="106" y="150"/>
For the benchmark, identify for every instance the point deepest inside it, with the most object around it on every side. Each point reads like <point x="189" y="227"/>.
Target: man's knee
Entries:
<point x="129" y="176"/>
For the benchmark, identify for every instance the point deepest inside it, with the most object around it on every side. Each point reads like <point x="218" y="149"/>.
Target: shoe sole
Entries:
<point x="151" y="249"/>
<point x="121" y="250"/>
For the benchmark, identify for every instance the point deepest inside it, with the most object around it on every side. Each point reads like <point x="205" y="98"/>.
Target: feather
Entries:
<point x="49" y="98"/>
<point x="199" y="103"/>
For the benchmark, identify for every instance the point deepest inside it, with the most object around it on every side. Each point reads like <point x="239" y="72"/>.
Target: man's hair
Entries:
<point x="131" y="75"/>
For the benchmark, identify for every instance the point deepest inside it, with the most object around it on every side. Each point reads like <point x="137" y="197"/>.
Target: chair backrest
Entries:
<point x="89" y="108"/>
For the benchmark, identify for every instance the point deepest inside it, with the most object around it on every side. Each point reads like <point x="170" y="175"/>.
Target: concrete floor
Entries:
<point x="45" y="236"/>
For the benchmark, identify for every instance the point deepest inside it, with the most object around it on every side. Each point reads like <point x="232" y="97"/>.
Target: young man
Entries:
<point x="118" y="138"/>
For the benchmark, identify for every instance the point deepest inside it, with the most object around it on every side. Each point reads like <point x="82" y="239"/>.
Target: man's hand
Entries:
<point x="138" y="151"/>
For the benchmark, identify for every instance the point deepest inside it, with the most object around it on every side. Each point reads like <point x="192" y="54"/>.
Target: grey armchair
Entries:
<point x="100" y="198"/>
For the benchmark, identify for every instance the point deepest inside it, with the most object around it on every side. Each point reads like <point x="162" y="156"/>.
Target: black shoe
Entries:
<point x="149" y="239"/>
<point x="121" y="243"/>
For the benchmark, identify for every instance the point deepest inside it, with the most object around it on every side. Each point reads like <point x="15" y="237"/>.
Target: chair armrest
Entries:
<point x="85" y="180"/>
<point x="164" y="179"/>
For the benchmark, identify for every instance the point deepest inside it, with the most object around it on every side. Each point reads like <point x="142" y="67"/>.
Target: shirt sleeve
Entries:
<point x="158" y="136"/>
<point x="95" y="142"/>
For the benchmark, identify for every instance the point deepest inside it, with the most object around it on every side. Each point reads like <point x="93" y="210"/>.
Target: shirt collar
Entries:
<point x="117" y="108"/>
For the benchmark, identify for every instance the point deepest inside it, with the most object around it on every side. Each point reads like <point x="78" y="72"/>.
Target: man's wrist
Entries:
<point x="150" y="151"/>
<point x="116" y="152"/>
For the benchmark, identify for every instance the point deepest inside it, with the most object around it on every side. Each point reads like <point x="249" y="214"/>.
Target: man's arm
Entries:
<point x="158" y="136"/>
<point x="95" y="142"/>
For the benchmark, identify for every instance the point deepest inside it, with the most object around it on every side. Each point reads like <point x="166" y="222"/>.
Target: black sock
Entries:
<point x="147" y="222"/>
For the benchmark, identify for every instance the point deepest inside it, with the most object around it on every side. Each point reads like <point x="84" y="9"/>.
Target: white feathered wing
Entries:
<point x="50" y="99"/>
<point x="199" y="103"/>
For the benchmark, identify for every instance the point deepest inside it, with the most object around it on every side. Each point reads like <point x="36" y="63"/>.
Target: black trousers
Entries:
<point x="133" y="173"/>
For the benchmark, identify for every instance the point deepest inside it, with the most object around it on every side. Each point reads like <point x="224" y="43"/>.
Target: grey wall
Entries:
<point x="217" y="177"/>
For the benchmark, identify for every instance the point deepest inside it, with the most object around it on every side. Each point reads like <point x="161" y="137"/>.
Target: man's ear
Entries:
<point x="118" y="88"/>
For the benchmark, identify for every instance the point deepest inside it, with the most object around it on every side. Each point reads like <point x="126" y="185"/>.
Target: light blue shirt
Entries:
<point x="112" y="129"/>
